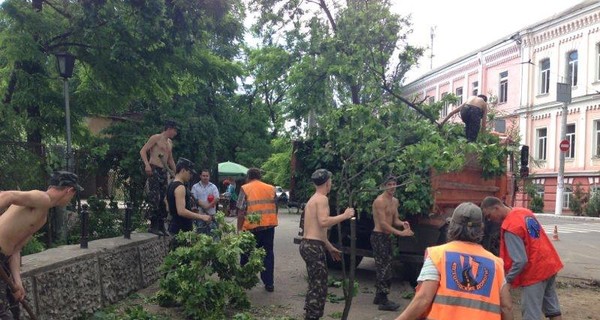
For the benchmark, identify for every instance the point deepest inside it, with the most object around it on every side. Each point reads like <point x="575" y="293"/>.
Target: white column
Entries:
<point x="552" y="142"/>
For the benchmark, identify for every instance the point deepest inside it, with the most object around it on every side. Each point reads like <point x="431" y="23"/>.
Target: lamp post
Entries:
<point x="65" y="63"/>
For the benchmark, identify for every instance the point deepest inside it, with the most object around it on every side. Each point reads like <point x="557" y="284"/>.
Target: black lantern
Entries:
<point x="65" y="63"/>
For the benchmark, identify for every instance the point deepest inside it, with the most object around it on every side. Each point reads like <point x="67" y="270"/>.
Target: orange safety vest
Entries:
<point x="260" y="199"/>
<point x="542" y="259"/>
<point x="470" y="282"/>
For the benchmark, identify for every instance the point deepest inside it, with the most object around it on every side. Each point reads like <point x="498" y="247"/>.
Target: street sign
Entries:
<point x="564" y="145"/>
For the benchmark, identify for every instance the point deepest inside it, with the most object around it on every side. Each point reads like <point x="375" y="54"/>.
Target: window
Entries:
<point x="503" y="91"/>
<point x="571" y="138"/>
<point x="594" y="190"/>
<point x="500" y="125"/>
<point x="572" y="68"/>
<point x="598" y="61"/>
<point x="459" y="94"/>
<point x="597" y="136"/>
<point x="431" y="100"/>
<point x="545" y="76"/>
<point x="475" y="86"/>
<point x="539" y="190"/>
<point x="541" y="135"/>
<point x="567" y="194"/>
<point x="444" y="111"/>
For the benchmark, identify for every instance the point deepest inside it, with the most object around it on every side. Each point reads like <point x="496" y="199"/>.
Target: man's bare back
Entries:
<point x="18" y="223"/>
<point x="312" y="229"/>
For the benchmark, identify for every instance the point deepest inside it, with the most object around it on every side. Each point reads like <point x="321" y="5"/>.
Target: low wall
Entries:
<point x="68" y="282"/>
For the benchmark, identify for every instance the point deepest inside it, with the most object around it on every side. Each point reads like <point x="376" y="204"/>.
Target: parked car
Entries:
<point x="283" y="196"/>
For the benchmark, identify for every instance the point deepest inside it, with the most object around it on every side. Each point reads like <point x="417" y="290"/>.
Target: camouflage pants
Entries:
<point x="382" y="252"/>
<point x="157" y="191"/>
<point x="8" y="306"/>
<point x="313" y="253"/>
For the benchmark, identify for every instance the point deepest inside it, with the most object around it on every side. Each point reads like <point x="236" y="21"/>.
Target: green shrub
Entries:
<point x="33" y="246"/>
<point x="593" y="206"/>
<point x="205" y="277"/>
<point x="578" y="200"/>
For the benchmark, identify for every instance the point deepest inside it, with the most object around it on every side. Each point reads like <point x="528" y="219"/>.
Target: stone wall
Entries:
<point x="68" y="282"/>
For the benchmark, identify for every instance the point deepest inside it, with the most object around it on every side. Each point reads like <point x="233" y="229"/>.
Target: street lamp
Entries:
<point x="65" y="63"/>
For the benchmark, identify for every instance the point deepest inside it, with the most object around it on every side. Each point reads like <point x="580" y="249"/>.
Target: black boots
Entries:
<point x="157" y="227"/>
<point x="384" y="303"/>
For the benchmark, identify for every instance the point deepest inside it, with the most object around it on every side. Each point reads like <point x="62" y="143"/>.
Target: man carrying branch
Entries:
<point x="314" y="245"/>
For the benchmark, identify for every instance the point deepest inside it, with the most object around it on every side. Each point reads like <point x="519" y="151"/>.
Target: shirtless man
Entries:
<point x="27" y="212"/>
<point x="158" y="146"/>
<point x="473" y="114"/>
<point x="385" y="216"/>
<point x="314" y="243"/>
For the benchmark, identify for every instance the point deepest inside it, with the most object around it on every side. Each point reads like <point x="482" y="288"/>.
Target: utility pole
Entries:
<point x="432" y="35"/>
<point x="563" y="94"/>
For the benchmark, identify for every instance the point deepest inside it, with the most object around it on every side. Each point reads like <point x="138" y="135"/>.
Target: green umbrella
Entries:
<point x="231" y="169"/>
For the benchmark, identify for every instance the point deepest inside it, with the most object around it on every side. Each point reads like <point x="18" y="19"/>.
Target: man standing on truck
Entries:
<point x="460" y="279"/>
<point x="314" y="243"/>
<point x="385" y="216"/>
<point x="473" y="114"/>
<point x="530" y="260"/>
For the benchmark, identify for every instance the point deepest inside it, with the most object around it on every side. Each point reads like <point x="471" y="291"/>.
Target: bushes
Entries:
<point x="593" y="206"/>
<point x="205" y="277"/>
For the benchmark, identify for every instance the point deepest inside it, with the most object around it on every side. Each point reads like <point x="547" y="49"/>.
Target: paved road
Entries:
<point x="578" y="245"/>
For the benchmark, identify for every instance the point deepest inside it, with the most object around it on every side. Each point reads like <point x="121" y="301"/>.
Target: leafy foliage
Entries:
<point x="578" y="200"/>
<point x="537" y="201"/>
<point x="205" y="276"/>
<point x="593" y="206"/>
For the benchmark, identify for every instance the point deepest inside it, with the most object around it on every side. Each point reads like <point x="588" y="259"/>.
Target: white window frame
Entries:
<point x="475" y="88"/>
<point x="598" y="61"/>
<point x="545" y="76"/>
<point x="572" y="67"/>
<point x="567" y="194"/>
<point x="596" y="130"/>
<point x="539" y="190"/>
<point x="459" y="96"/>
<point x="570" y="136"/>
<point x="541" y="144"/>
<point x="503" y="89"/>
<point x="444" y="111"/>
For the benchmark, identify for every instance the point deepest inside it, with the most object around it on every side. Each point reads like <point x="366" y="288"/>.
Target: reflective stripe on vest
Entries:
<point x="467" y="303"/>
<point x="260" y="199"/>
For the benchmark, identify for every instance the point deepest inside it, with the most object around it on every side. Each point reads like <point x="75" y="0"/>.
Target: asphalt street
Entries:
<point x="578" y="244"/>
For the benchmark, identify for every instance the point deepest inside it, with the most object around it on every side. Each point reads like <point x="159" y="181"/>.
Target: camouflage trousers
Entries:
<point x="313" y="253"/>
<point x="157" y="191"/>
<point x="382" y="252"/>
<point x="9" y="307"/>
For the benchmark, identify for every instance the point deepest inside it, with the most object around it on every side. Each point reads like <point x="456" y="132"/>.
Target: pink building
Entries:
<point x="520" y="73"/>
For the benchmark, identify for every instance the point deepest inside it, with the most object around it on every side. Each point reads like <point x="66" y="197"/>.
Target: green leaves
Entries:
<point x="205" y="276"/>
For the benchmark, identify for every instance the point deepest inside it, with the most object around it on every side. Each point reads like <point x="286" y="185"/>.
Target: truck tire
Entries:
<point x="337" y="265"/>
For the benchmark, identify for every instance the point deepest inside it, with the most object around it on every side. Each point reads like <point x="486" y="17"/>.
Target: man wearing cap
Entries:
<point x="473" y="114"/>
<point x="158" y="158"/>
<point x="315" y="245"/>
<point x="27" y="212"/>
<point x="258" y="215"/>
<point x="460" y="279"/>
<point x="180" y="201"/>
<point x="206" y="195"/>
<point x="530" y="260"/>
<point x="386" y="219"/>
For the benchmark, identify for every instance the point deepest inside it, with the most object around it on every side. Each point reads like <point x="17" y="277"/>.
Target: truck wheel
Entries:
<point x="337" y="265"/>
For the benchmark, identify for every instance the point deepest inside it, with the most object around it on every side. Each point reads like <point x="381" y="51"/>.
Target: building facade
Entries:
<point x="520" y="74"/>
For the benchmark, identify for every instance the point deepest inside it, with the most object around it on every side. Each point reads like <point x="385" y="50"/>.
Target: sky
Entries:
<point x="463" y="26"/>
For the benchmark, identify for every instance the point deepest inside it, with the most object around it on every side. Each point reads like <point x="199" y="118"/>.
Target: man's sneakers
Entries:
<point x="384" y="303"/>
<point x="269" y="288"/>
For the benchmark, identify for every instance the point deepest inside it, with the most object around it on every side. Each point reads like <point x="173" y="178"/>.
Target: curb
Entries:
<point x="564" y="217"/>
